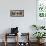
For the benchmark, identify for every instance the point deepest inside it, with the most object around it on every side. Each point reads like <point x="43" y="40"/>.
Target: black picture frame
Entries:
<point x="17" y="13"/>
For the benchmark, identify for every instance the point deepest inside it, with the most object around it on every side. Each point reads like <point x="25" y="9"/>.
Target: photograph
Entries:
<point x="17" y="13"/>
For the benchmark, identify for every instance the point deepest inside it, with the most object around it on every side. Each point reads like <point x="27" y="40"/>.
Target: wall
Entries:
<point x="24" y="23"/>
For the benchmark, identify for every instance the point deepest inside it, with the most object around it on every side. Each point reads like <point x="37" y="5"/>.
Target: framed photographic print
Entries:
<point x="17" y="13"/>
<point x="41" y="12"/>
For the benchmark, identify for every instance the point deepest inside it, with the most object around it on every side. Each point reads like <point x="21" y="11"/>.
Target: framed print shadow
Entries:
<point x="17" y="13"/>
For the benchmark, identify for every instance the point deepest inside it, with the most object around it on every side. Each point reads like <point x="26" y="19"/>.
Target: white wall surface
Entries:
<point x="24" y="23"/>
